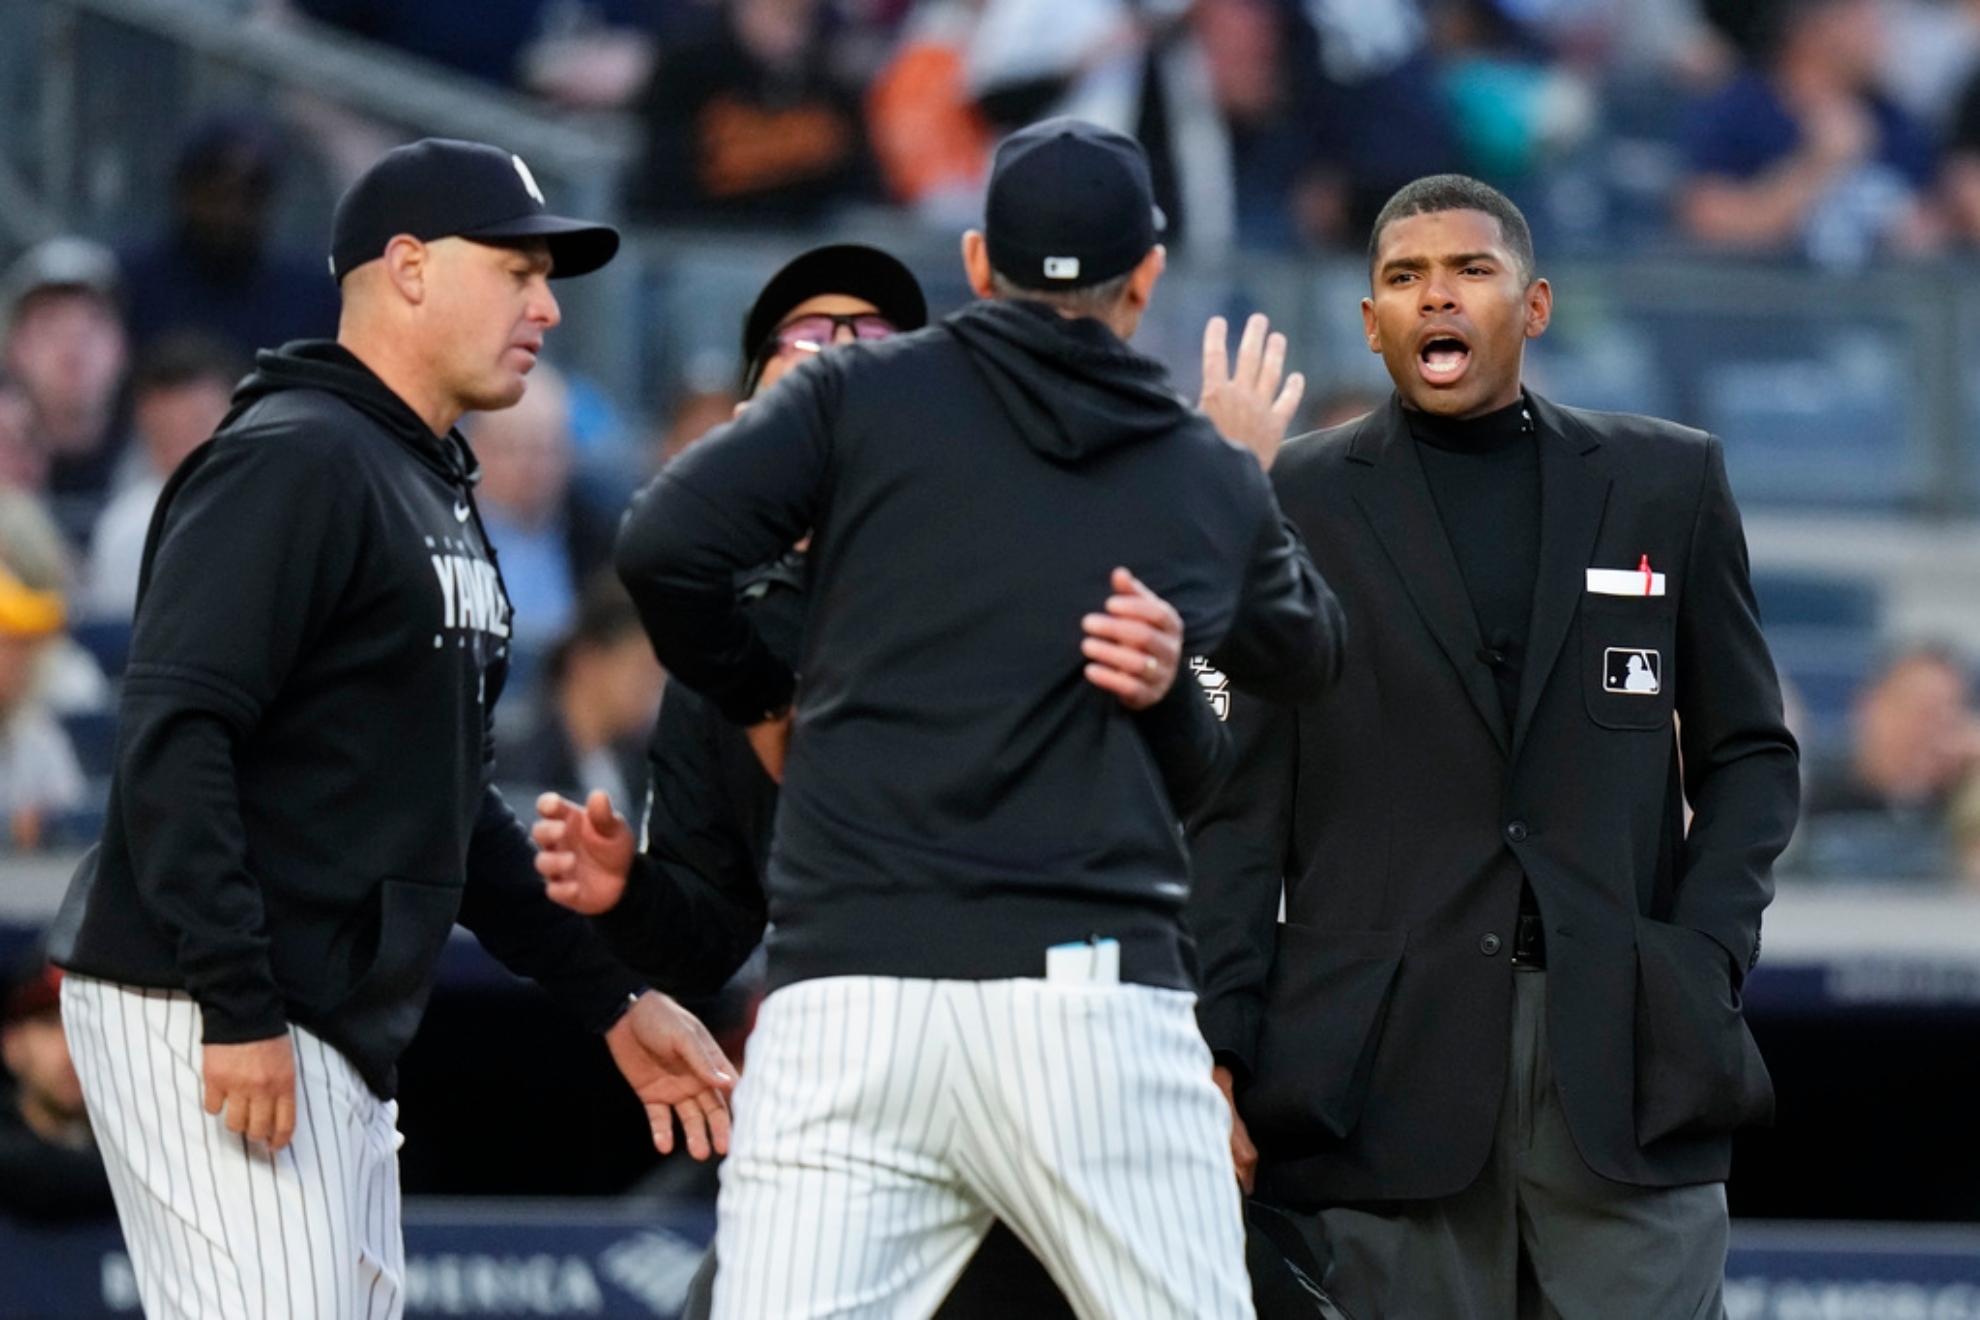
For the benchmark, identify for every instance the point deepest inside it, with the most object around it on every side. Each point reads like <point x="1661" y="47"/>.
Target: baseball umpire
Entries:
<point x="300" y="809"/>
<point x="1493" y="1056"/>
<point x="979" y="1007"/>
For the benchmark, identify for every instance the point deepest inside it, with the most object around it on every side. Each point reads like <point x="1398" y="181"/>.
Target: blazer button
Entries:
<point x="1488" y="944"/>
<point x="1517" y="831"/>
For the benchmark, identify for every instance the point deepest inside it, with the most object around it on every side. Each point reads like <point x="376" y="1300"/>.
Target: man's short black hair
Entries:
<point x="1457" y="192"/>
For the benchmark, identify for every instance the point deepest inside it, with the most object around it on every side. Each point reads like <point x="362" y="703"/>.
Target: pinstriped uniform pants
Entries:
<point x="882" y="1123"/>
<point x="215" y="1228"/>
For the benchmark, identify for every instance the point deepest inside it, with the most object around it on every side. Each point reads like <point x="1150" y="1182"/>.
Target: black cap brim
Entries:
<point x="849" y="268"/>
<point x="577" y="247"/>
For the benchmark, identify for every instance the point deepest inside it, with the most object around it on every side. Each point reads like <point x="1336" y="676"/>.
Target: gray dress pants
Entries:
<point x="1539" y="1236"/>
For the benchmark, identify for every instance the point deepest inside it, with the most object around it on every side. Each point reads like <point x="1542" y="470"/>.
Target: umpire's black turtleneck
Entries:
<point x="1484" y="475"/>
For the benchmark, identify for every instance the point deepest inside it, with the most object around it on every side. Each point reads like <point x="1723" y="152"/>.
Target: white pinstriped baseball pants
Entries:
<point x="882" y="1123"/>
<point x="213" y="1228"/>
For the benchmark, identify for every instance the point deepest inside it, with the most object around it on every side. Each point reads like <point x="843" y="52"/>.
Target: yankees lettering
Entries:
<point x="471" y="594"/>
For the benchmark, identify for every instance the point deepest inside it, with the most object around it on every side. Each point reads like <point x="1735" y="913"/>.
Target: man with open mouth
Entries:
<point x="1492" y="1058"/>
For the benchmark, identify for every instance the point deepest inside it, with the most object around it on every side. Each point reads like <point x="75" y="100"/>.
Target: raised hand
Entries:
<point x="1253" y="403"/>
<point x="582" y="853"/>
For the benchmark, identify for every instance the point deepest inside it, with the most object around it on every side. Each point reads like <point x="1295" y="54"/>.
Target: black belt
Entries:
<point x="1529" y="941"/>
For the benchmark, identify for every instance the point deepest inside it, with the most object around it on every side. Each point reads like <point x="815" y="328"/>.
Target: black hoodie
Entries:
<point x="300" y="809"/>
<point x="958" y="797"/>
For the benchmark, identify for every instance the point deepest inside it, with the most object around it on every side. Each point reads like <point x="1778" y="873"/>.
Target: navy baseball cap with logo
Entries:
<point x="443" y="188"/>
<point x="1070" y="205"/>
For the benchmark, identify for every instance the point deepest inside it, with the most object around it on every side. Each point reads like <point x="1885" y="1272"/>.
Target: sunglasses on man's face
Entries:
<point x="818" y="331"/>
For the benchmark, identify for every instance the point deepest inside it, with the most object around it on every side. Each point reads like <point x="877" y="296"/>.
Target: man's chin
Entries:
<point x="1440" y="403"/>
<point x="1457" y="402"/>
<point x="497" y="395"/>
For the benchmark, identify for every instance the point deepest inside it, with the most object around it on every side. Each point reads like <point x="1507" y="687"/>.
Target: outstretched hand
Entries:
<point x="1253" y="403"/>
<point x="1134" y="649"/>
<point x="582" y="853"/>
<point x="678" y="1072"/>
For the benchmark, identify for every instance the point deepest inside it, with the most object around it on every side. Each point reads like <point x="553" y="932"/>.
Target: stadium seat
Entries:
<point x="1825" y="632"/>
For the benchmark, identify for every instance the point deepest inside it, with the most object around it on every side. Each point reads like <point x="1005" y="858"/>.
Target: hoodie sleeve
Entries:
<point x="1289" y="636"/>
<point x="694" y="907"/>
<point x="1188" y="742"/>
<point x="737" y="499"/>
<point x="506" y="908"/>
<point x="1238" y="848"/>
<point x="255" y="542"/>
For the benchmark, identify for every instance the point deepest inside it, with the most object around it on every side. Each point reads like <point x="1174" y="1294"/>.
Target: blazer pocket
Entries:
<point x="1324" y="1008"/>
<point x="1627" y="678"/>
<point x="1698" y="1070"/>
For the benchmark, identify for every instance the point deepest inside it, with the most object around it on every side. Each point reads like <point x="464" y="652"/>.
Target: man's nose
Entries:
<point x="843" y="333"/>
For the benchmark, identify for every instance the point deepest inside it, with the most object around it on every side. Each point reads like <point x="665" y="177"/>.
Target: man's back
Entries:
<point x="970" y="488"/>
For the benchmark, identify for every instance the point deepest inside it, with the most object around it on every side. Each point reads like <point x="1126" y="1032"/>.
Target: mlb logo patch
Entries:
<point x="1062" y="268"/>
<point x="1632" y="672"/>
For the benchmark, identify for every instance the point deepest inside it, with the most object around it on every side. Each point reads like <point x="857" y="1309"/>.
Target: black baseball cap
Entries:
<point x="1070" y="205"/>
<point x="849" y="268"/>
<point x="444" y="188"/>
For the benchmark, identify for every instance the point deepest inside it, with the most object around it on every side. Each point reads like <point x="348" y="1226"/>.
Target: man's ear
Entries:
<point x="1370" y="327"/>
<point x="408" y="262"/>
<point x="1141" y="281"/>
<point x="976" y="262"/>
<point x="1539" y="308"/>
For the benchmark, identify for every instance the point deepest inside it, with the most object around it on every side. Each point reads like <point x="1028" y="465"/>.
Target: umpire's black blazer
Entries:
<point x="1371" y="1030"/>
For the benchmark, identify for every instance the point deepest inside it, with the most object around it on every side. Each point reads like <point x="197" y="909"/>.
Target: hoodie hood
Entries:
<point x="1071" y="388"/>
<point x="321" y="364"/>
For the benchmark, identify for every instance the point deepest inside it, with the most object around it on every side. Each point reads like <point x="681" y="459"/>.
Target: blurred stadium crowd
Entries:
<point x="1816" y="136"/>
<point x="1841" y="129"/>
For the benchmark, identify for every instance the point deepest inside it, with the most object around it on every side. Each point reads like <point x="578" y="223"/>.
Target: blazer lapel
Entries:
<point x="1573" y="493"/>
<point x="1396" y="500"/>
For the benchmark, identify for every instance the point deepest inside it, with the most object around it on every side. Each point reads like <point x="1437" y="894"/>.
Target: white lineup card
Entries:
<point x="1624" y="582"/>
